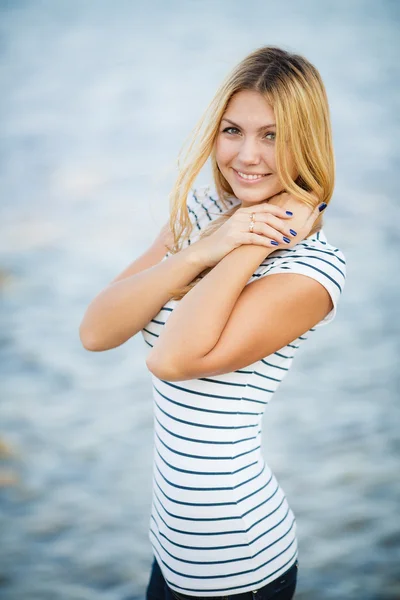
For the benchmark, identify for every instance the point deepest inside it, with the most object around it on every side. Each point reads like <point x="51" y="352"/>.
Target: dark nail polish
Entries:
<point x="274" y="243"/>
<point x="285" y="239"/>
<point x="289" y="212"/>
<point x="322" y="207"/>
<point x="292" y="232"/>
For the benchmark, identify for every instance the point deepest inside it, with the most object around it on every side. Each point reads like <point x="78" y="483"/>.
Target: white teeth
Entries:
<point x="250" y="176"/>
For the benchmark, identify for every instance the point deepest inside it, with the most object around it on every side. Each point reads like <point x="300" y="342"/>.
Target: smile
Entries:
<point x="249" y="177"/>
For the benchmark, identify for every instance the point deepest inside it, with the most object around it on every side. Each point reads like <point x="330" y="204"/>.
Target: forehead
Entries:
<point x="249" y="107"/>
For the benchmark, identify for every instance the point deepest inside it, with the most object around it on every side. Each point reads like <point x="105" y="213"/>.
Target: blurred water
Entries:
<point x="97" y="98"/>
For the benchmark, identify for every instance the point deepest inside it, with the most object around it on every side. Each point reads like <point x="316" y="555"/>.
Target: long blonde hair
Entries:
<point x="294" y="89"/>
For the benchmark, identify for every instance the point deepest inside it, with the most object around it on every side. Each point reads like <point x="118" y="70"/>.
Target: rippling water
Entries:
<point x="97" y="98"/>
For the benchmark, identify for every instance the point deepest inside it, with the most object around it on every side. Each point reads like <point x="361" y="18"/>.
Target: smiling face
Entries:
<point x="245" y="148"/>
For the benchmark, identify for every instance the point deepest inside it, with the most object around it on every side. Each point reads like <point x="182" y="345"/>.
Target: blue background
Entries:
<point x="96" y="100"/>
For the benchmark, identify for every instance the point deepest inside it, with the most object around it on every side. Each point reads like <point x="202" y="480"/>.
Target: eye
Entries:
<point x="231" y="130"/>
<point x="273" y="134"/>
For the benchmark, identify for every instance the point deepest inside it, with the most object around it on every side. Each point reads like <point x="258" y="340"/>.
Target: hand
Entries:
<point x="280" y="222"/>
<point x="304" y="217"/>
<point x="271" y="224"/>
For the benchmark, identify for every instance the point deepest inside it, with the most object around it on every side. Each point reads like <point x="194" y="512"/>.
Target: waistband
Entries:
<point x="284" y="579"/>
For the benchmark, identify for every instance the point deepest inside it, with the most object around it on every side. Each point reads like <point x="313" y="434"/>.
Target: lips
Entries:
<point x="250" y="177"/>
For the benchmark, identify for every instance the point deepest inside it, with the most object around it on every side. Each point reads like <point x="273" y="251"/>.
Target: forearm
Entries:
<point x="196" y="324"/>
<point x="126" y="306"/>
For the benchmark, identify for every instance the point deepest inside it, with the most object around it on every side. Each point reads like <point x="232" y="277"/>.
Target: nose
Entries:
<point x="249" y="153"/>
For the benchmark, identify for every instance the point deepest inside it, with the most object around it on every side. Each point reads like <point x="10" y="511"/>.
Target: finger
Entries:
<point x="276" y="223"/>
<point x="264" y="208"/>
<point x="271" y="233"/>
<point x="260" y="240"/>
<point x="318" y="210"/>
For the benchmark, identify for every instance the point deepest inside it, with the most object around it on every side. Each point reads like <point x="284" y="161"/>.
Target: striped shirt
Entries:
<point x="220" y="522"/>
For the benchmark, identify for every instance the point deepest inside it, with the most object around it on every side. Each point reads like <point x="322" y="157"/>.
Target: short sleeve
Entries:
<point x="203" y="207"/>
<point x="322" y="262"/>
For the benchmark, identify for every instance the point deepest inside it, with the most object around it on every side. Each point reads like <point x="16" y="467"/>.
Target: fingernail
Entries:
<point x="285" y="239"/>
<point x="292" y="232"/>
<point x="322" y="207"/>
<point x="289" y="212"/>
<point x="274" y="243"/>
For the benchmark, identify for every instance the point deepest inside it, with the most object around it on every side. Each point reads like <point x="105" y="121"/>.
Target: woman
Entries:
<point x="224" y="298"/>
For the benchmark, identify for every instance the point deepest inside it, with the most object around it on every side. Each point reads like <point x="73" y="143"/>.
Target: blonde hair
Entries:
<point x="294" y="89"/>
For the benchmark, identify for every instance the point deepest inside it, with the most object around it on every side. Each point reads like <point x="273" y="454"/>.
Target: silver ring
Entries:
<point x="251" y="226"/>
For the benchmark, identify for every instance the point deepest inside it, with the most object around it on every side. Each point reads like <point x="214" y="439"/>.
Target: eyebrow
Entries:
<point x="238" y="126"/>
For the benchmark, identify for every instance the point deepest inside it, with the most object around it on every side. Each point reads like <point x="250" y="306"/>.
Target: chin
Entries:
<point x="252" y="196"/>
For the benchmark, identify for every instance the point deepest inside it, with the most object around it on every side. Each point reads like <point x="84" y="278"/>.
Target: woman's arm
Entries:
<point x="135" y="296"/>
<point x="221" y="325"/>
<point x="196" y="324"/>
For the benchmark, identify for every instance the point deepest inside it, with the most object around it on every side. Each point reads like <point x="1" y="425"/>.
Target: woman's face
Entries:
<point x="245" y="148"/>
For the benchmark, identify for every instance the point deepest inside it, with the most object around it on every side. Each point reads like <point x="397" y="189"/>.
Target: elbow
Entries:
<point x="88" y="340"/>
<point x="95" y="339"/>
<point x="87" y="335"/>
<point x="162" y="370"/>
<point x="99" y="343"/>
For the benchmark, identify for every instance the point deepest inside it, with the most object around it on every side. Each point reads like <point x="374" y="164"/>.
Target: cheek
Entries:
<point x="269" y="158"/>
<point x="224" y="152"/>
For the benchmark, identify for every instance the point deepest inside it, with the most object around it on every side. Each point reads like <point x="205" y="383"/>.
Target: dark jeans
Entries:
<point x="282" y="588"/>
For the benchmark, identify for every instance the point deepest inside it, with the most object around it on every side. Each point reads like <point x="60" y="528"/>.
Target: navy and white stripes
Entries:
<point x="220" y="522"/>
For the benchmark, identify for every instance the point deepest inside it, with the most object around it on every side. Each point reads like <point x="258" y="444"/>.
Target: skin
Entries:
<point x="247" y="322"/>
<point x="246" y="143"/>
